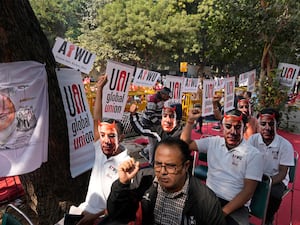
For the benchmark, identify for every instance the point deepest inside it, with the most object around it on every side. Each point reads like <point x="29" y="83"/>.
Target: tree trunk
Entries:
<point x="50" y="190"/>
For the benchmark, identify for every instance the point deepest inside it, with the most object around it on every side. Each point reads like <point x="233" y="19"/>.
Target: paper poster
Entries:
<point x="207" y="97"/>
<point x="175" y="83"/>
<point x="288" y="74"/>
<point x="115" y="92"/>
<point x="24" y="117"/>
<point x="73" y="56"/>
<point x="251" y="81"/>
<point x="145" y="78"/>
<point x="191" y="85"/>
<point x="229" y="94"/>
<point x="79" y="120"/>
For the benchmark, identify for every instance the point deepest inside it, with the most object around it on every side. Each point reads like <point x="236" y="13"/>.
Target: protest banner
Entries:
<point x="115" y="92"/>
<point x="207" y="97"/>
<point x="73" y="56"/>
<point x="229" y="94"/>
<point x="175" y="83"/>
<point x="288" y="74"/>
<point x="190" y="85"/>
<point x="145" y="78"/>
<point x="251" y="81"/>
<point x="79" y="121"/>
<point x="219" y="84"/>
<point x="24" y="111"/>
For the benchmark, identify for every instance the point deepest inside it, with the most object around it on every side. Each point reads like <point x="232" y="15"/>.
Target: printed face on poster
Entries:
<point x="145" y="78"/>
<point x="207" y="97"/>
<point x="115" y="92"/>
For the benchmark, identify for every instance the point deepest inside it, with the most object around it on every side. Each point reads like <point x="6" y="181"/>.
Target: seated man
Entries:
<point x="169" y="196"/>
<point x="169" y="126"/>
<point x="278" y="156"/>
<point x="109" y="153"/>
<point x="234" y="167"/>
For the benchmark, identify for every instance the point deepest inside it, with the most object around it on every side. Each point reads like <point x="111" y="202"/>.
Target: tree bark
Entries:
<point x="50" y="190"/>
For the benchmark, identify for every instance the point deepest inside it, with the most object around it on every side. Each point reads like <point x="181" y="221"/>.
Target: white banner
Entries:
<point x="175" y="83"/>
<point x="251" y="81"/>
<point x="219" y="84"/>
<point x="207" y="97"/>
<point x="288" y="74"/>
<point x="79" y="120"/>
<point x="191" y="85"/>
<point x="243" y="79"/>
<point x="24" y="117"/>
<point x="115" y="92"/>
<point x="145" y="78"/>
<point x="73" y="56"/>
<point x="229" y="94"/>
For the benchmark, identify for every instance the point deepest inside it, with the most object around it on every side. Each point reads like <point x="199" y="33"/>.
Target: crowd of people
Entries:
<point x="163" y="191"/>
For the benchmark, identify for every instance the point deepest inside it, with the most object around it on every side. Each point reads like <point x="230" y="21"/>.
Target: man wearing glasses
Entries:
<point x="278" y="156"/>
<point x="172" y="197"/>
<point x="234" y="167"/>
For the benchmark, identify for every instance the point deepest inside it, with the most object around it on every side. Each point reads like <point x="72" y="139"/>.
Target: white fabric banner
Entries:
<point x="175" y="83"/>
<point x="229" y="94"/>
<point x="73" y="56"/>
<point x="207" y="97"/>
<point x="191" y="85"/>
<point x="79" y="120"/>
<point x="24" y="117"/>
<point x="288" y="74"/>
<point x="145" y="78"/>
<point x="115" y="92"/>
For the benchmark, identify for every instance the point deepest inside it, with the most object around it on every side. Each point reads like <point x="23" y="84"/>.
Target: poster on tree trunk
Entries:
<point x="79" y="121"/>
<point x="24" y="117"/>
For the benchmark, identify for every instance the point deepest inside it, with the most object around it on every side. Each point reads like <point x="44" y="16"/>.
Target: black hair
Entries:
<point x="182" y="145"/>
<point x="178" y="110"/>
<point x="118" y="123"/>
<point x="270" y="111"/>
<point x="236" y="112"/>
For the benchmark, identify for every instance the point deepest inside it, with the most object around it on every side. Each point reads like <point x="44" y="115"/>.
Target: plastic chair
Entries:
<point x="9" y="219"/>
<point x="292" y="176"/>
<point x="201" y="170"/>
<point x="260" y="199"/>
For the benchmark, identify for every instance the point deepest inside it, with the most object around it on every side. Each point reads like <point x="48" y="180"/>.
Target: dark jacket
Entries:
<point x="201" y="206"/>
<point x="156" y="132"/>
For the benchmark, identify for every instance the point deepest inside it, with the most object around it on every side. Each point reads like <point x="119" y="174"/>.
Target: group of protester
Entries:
<point x="164" y="191"/>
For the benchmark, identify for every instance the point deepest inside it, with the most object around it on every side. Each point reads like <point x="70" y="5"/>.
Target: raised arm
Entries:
<point x="98" y="104"/>
<point x="186" y="134"/>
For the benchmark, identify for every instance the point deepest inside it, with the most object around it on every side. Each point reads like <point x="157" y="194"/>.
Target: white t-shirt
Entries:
<point x="104" y="173"/>
<point x="279" y="152"/>
<point x="227" y="169"/>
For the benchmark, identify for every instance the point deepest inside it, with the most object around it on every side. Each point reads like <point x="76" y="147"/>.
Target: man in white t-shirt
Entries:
<point x="109" y="153"/>
<point x="234" y="167"/>
<point x="278" y="156"/>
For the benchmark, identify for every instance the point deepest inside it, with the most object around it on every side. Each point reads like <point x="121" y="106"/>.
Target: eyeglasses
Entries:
<point x="170" y="168"/>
